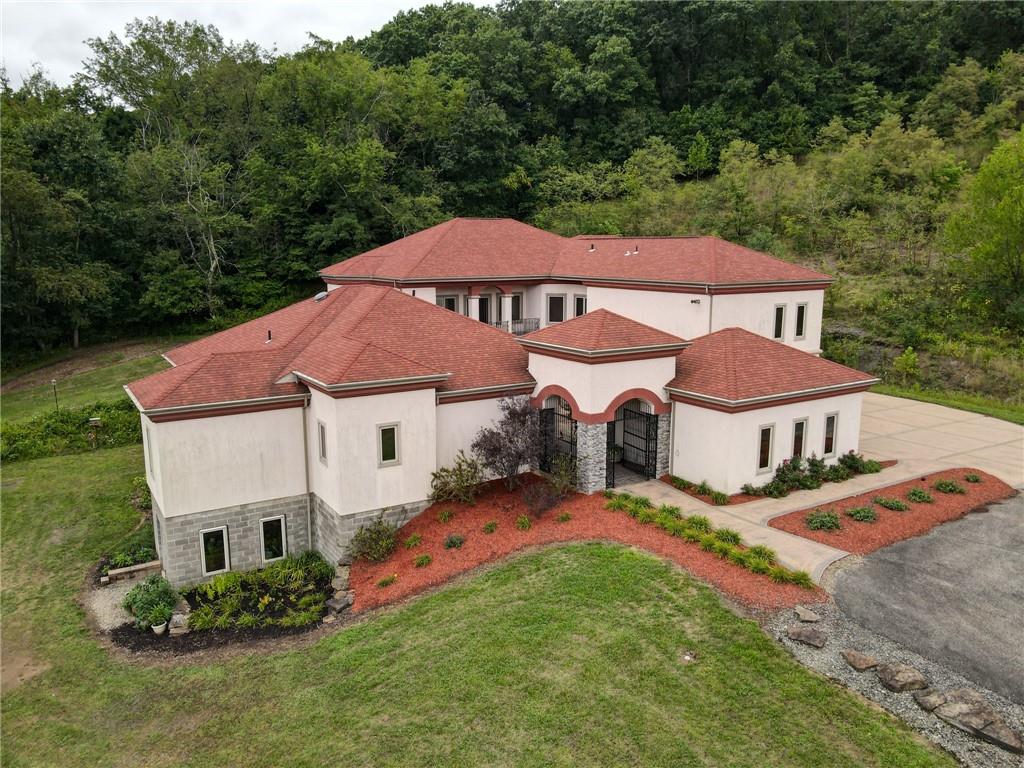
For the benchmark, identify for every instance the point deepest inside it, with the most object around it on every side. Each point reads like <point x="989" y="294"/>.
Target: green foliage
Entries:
<point x="823" y="520"/>
<point x="719" y="499"/>
<point x="490" y="527"/>
<point x="291" y="592"/>
<point x="67" y="430"/>
<point x="412" y="541"/>
<point x="680" y="483"/>
<point x="454" y="541"/>
<point x="444" y="515"/>
<point x="762" y="552"/>
<point x="728" y="535"/>
<point x="698" y="523"/>
<point x="422" y="561"/>
<point x="796" y="474"/>
<point x="907" y="366"/>
<point x="387" y="581"/>
<point x="669" y="511"/>
<point x="374" y="542"/>
<point x="523" y="523"/>
<point x="138" y="547"/>
<point x="460" y="482"/>
<point x="563" y="476"/>
<point x="151" y="601"/>
<point x="889" y="503"/>
<point x="948" y="486"/>
<point x="972" y="477"/>
<point x="862" y="514"/>
<point x="919" y="496"/>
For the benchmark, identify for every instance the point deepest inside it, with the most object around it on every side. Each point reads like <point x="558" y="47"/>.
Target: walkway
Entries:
<point x="923" y="437"/>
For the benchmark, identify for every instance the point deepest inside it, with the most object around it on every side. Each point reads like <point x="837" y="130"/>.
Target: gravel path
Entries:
<point x="104" y="603"/>
<point x="844" y="633"/>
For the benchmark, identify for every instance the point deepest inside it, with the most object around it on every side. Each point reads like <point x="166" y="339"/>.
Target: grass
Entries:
<point x="104" y="383"/>
<point x="566" y="656"/>
<point x="988" y="406"/>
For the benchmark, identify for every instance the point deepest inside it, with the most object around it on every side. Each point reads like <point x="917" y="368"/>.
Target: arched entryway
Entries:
<point x="632" y="447"/>
<point x="558" y="432"/>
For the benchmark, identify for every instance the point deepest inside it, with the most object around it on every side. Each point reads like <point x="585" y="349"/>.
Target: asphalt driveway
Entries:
<point x="954" y="595"/>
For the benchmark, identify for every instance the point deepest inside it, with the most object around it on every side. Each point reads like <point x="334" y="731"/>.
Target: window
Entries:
<point x="780" y="322"/>
<point x="273" y="539"/>
<point x="556" y="308"/>
<point x="388" y="450"/>
<point x="765" y="437"/>
<point x="321" y="429"/>
<point x="517" y="306"/>
<point x="581" y="305"/>
<point x="484" y="309"/>
<point x="801" y="321"/>
<point x="799" y="436"/>
<point x="451" y="303"/>
<point x="214" y="550"/>
<point x="831" y="423"/>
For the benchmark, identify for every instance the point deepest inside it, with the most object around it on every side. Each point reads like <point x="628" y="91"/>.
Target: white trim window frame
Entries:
<point x="442" y="301"/>
<point x="576" y="299"/>
<point x="393" y="462"/>
<point x="801" y="422"/>
<point x="766" y="467"/>
<point x="547" y="306"/>
<point x="800" y="325"/>
<point x="779" y="323"/>
<point x="284" y="539"/>
<point x="321" y="438"/>
<point x="223" y="530"/>
<point x="834" y="437"/>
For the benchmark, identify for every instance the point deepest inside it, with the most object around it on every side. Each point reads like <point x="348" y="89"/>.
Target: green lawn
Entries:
<point x="103" y="383"/>
<point x="988" y="406"/>
<point x="568" y="656"/>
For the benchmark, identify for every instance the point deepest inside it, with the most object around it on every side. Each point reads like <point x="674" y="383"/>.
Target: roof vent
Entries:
<point x="628" y="253"/>
<point x="269" y="337"/>
<point x="320" y="296"/>
<point x="592" y="248"/>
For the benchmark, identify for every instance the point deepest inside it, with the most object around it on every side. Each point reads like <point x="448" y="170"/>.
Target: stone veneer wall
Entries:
<point x="179" y="541"/>
<point x="333" y="532"/>
<point x="664" y="443"/>
<point x="591" y="454"/>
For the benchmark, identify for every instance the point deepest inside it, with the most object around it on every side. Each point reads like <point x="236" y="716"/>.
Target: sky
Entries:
<point x="53" y="33"/>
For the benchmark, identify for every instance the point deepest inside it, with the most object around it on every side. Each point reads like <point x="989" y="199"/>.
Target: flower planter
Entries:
<point x="159" y="629"/>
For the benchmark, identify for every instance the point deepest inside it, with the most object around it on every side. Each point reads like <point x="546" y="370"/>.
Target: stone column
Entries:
<point x="474" y="306"/>
<point x="591" y="454"/>
<point x="664" y="443"/>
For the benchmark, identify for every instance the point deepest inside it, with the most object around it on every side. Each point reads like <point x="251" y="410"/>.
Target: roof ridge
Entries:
<point x="449" y="226"/>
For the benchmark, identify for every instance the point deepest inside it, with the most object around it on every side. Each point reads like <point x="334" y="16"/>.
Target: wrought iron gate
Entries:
<point x="640" y="441"/>
<point x="558" y="437"/>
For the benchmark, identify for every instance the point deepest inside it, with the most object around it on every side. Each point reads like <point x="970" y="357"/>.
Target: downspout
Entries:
<point x="711" y="305"/>
<point x="305" y="467"/>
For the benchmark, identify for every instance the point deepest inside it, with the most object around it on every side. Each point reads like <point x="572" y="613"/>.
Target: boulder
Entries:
<point x="339" y="584"/>
<point x="808" y="635"/>
<point x="859" y="661"/>
<point x="338" y="604"/>
<point x="928" y="699"/>
<point x="806" y="614"/>
<point x="178" y="625"/>
<point x="967" y="710"/>
<point x="901" y="677"/>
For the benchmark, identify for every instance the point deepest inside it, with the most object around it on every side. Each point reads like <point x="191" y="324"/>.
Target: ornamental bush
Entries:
<point x="454" y="541"/>
<point x="460" y="482"/>
<point x="862" y="514"/>
<point x="374" y="542"/>
<point x="539" y="498"/>
<point x="823" y="520"/>
<point x="151" y="602"/>
<point x="948" y="486"/>
<point x="422" y="561"/>
<point x="919" y="496"/>
<point x="67" y="430"/>
<point x="889" y="503"/>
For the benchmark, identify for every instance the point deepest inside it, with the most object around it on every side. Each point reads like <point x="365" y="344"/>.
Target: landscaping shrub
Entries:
<point x="138" y="547"/>
<point x="919" y="496"/>
<point x="387" y="581"/>
<point x="563" y="476"/>
<point x="728" y="535"/>
<point x="490" y="527"/>
<point x="719" y="499"/>
<point x="291" y="592"/>
<point x="703" y="488"/>
<point x="708" y="542"/>
<point x="948" y="486"/>
<point x="422" y="561"/>
<point x="444" y="515"/>
<point x="539" y="498"/>
<point x="460" y="482"/>
<point x="862" y="514"/>
<point x="523" y="523"/>
<point x="698" y="523"/>
<point x="738" y="557"/>
<point x="680" y="483"/>
<point x="823" y="520"/>
<point x="620" y="503"/>
<point x="374" y="542"/>
<point x="858" y="465"/>
<point x="669" y="511"/>
<point x="796" y="474"/>
<point x="513" y="442"/>
<point x="778" y="574"/>
<point x="759" y="565"/>
<point x="454" y="541"/>
<point x="565" y="517"/>
<point x="151" y="602"/>
<point x="67" y="430"/>
<point x="837" y="473"/>
<point x="140" y="497"/>
<point x="761" y="552"/>
<point x="801" y="579"/>
<point x="412" y="541"/>
<point x="972" y="478"/>
<point x="894" y="504"/>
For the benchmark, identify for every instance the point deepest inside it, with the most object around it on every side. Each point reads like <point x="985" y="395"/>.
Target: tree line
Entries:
<point x="182" y="179"/>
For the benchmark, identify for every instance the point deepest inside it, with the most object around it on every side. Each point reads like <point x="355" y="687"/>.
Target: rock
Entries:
<point x="901" y="677"/>
<point x="104" y="580"/>
<point x="341" y="571"/>
<point x="339" y="584"/>
<point x="806" y="614"/>
<point x="928" y="699"/>
<point x="808" y="635"/>
<point x="338" y="604"/>
<point x="859" y="661"/>
<point x="330" y="618"/>
<point x="179" y="624"/>
<point x="967" y="710"/>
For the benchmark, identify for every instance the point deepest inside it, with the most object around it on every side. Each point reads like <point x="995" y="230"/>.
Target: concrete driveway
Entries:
<point x="954" y="595"/>
<point x="897" y="428"/>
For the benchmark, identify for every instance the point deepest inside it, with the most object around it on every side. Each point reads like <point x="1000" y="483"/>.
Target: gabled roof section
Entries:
<point x="356" y="336"/>
<point x="734" y="367"/>
<point x="601" y="333"/>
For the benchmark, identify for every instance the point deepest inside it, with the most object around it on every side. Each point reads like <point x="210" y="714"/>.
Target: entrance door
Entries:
<point x="640" y="441"/>
<point x="558" y="437"/>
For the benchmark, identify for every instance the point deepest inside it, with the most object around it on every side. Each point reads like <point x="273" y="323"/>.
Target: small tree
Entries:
<point x="906" y="365"/>
<point x="512" y="443"/>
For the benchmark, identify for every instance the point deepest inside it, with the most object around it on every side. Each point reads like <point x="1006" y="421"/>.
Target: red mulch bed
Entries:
<point x="891" y="526"/>
<point x="590" y="521"/>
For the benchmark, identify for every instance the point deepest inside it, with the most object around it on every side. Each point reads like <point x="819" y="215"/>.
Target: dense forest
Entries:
<point x="184" y="182"/>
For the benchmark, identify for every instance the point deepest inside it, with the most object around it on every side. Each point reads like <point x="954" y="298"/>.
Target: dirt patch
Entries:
<point x="128" y="637"/>
<point x="891" y="526"/>
<point x="16" y="668"/>
<point x="589" y="520"/>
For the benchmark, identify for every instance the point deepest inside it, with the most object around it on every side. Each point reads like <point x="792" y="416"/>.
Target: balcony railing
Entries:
<point x="519" y="327"/>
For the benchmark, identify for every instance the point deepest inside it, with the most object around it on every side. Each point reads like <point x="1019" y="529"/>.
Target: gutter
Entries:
<point x="305" y="466"/>
<point x="836" y="388"/>
<point x="484" y="390"/>
<point x="210" y="406"/>
<point x="583" y="279"/>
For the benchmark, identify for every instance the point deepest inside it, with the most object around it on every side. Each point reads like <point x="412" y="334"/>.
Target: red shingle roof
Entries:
<point x="505" y="248"/>
<point x="735" y="365"/>
<point x="358" y="333"/>
<point x="601" y="331"/>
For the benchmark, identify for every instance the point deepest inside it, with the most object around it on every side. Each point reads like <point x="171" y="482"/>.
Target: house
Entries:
<point x="693" y="356"/>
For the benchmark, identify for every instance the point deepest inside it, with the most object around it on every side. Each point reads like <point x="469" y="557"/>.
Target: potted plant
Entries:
<point x="158" y="619"/>
<point x="616" y="452"/>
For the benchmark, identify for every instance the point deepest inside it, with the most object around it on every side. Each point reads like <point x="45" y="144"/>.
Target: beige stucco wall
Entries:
<point x="756" y="313"/>
<point x="722" y="448"/>
<point x="457" y="425"/>
<point x="670" y="312"/>
<point x="595" y="386"/>
<point x="200" y="464"/>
